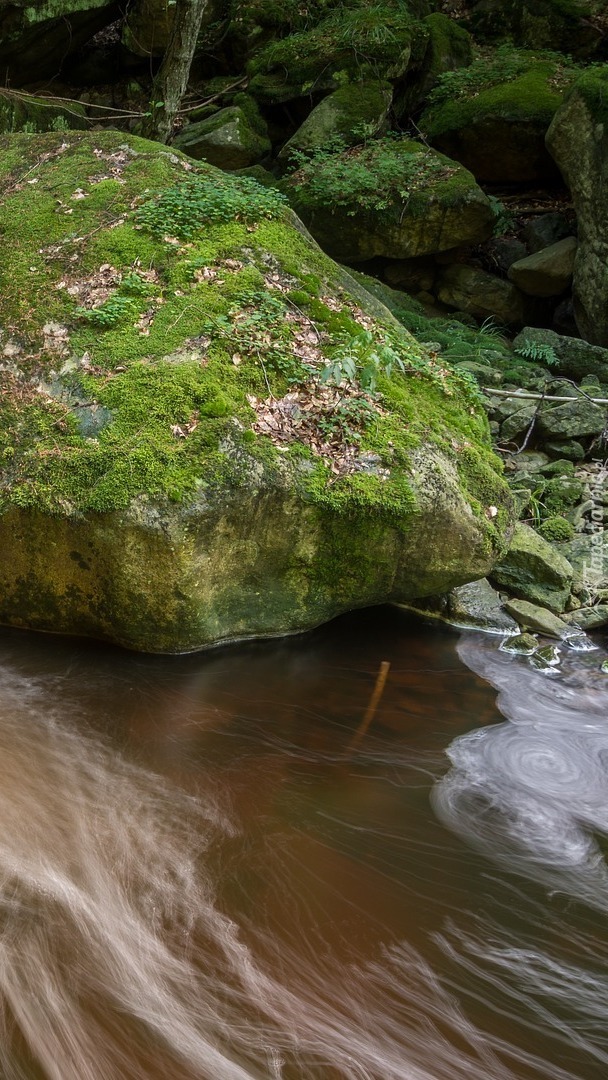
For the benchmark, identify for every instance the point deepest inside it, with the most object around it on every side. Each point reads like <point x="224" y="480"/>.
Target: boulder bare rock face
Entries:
<point x="547" y="272"/>
<point x="578" y="141"/>
<point x="173" y="469"/>
<point x="540" y="619"/>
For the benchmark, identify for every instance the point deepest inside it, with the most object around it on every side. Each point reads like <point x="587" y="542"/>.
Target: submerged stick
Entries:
<point x="373" y="705"/>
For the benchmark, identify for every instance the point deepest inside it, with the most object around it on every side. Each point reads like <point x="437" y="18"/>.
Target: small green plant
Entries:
<point x="112" y="312"/>
<point x="504" y="221"/>
<point x="539" y="352"/>
<point x="181" y="211"/>
<point x="361" y="359"/>
<point x="134" y="285"/>
<point x="347" y="420"/>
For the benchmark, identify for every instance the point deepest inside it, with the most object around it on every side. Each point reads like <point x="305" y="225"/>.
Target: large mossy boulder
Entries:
<point x="578" y="140"/>
<point x="393" y="197"/>
<point x="174" y="470"/>
<point x="349" y="43"/>
<point x="493" y="115"/>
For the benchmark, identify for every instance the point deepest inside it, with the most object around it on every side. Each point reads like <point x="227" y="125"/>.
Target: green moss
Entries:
<point x="511" y="84"/>
<point x="164" y="404"/>
<point x="378" y="176"/>
<point x="556" y="530"/>
<point x="592" y="87"/>
<point x="352" y="42"/>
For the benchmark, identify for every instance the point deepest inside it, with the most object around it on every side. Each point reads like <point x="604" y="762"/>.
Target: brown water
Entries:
<point x="202" y="877"/>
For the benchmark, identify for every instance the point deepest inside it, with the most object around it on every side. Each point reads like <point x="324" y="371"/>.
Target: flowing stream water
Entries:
<point x="204" y="875"/>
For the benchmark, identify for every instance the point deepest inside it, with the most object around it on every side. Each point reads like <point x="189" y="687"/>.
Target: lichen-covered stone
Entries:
<point x="570" y="356"/>
<point x="190" y="312"/>
<point x="533" y="570"/>
<point x="573" y="420"/>
<point x="564" y="25"/>
<point x="578" y="140"/>
<point x="478" y="605"/>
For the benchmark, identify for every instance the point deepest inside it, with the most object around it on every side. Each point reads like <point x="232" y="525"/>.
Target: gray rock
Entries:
<point x="478" y="604"/>
<point x="570" y="449"/>
<point x="575" y="357"/>
<point x="546" y="659"/>
<point x="518" y="423"/>
<point x="533" y="617"/>
<point x="534" y="570"/>
<point x="481" y="294"/>
<point x="577" y="140"/>
<point x="588" y="556"/>
<point x="574" y="419"/>
<point x="547" y="272"/>
<point x="521" y="644"/>
<point x="545" y="230"/>
<point x="589" y="618"/>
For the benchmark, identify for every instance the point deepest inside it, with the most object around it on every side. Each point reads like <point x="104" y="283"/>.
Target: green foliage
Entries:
<point x="493" y="68"/>
<point x="556" y="530"/>
<point x="366" y="177"/>
<point x="504" y="221"/>
<point x="182" y="210"/>
<point x="538" y="352"/>
<point x="111" y="313"/>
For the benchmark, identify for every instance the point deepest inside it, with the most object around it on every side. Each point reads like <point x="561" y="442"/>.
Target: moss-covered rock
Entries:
<point x="578" y="140"/>
<point x="392" y="197"/>
<point x="537" y="618"/>
<point x="350" y="43"/>
<point x="23" y="112"/>
<point x="353" y="112"/>
<point x="570" y="26"/>
<point x="173" y="470"/>
<point x="493" y="115"/>
<point x="533" y="570"/>
<point x="567" y="356"/>
<point x="227" y="139"/>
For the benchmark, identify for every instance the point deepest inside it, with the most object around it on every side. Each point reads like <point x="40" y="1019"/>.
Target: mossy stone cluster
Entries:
<point x="138" y="499"/>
